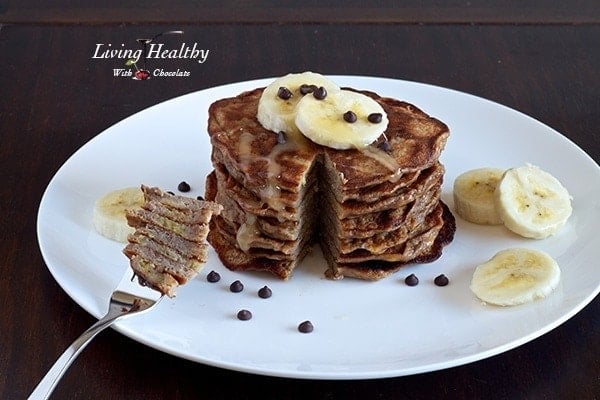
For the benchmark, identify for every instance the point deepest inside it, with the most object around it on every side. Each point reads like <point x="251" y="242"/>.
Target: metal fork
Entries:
<point x="123" y="303"/>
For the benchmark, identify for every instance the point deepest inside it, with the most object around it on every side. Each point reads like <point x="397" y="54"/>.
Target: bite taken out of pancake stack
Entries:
<point x="304" y="161"/>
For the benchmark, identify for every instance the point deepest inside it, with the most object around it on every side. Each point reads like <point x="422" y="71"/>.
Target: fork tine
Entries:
<point x="129" y="284"/>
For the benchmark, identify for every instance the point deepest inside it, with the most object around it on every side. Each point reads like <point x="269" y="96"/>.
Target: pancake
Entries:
<point x="371" y="210"/>
<point x="168" y="246"/>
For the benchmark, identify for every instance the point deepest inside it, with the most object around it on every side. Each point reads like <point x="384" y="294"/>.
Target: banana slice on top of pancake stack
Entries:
<point x="321" y="111"/>
<point x="278" y="104"/>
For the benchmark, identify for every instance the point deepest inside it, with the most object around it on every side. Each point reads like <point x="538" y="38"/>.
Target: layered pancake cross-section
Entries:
<point x="168" y="246"/>
<point x="371" y="209"/>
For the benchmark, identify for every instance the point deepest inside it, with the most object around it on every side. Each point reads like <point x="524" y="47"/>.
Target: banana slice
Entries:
<point x="277" y="105"/>
<point x="531" y="202"/>
<point x="342" y="120"/>
<point x="109" y="212"/>
<point x="474" y="195"/>
<point x="515" y="276"/>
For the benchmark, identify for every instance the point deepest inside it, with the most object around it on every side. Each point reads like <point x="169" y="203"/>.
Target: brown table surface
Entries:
<point x="54" y="97"/>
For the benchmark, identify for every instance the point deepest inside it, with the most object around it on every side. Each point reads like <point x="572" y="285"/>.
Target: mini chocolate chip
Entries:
<point x="171" y="193"/>
<point x="264" y="292"/>
<point x="200" y="198"/>
<point x="385" y="146"/>
<point x="320" y="93"/>
<point x="349" y="116"/>
<point x="306" y="327"/>
<point x="411" y="280"/>
<point x="441" y="280"/>
<point x="281" y="138"/>
<point x="244" y="315"/>
<point x="141" y="280"/>
<point x="306" y="89"/>
<point x="213" y="276"/>
<point x="184" y="187"/>
<point x="236" y="287"/>
<point x="284" y="93"/>
<point x="375" y="118"/>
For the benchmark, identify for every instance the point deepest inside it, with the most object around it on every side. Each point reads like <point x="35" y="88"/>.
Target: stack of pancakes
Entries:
<point x="371" y="210"/>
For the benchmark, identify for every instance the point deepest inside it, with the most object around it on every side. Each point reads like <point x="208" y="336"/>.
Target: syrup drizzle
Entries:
<point x="270" y="193"/>
<point x="247" y="232"/>
<point x="245" y="148"/>
<point x="385" y="159"/>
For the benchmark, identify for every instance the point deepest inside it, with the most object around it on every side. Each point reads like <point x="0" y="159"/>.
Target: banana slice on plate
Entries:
<point x="277" y="104"/>
<point x="342" y="120"/>
<point x="474" y="195"/>
<point x="515" y="276"/>
<point x="531" y="202"/>
<point x="109" y="212"/>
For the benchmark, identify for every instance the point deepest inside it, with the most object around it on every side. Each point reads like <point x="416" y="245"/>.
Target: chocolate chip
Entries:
<point x="411" y="280"/>
<point x="184" y="187"/>
<point x="213" y="276"/>
<point x="284" y="93"/>
<point x="306" y="327"/>
<point x="441" y="280"/>
<point x="281" y="138"/>
<point x="320" y="93"/>
<point x="375" y="118"/>
<point x="349" y="116"/>
<point x="200" y="198"/>
<point x="171" y="193"/>
<point x="244" y="315"/>
<point x="385" y="146"/>
<point x="236" y="287"/>
<point x="306" y="89"/>
<point x="264" y="292"/>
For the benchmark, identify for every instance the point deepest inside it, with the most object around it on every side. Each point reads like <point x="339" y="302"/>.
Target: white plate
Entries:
<point x="362" y="329"/>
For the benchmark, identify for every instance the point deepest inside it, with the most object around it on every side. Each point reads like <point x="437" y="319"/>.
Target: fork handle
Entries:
<point x="44" y="389"/>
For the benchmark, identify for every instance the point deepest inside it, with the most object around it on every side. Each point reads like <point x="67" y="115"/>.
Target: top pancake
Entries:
<point x="247" y="149"/>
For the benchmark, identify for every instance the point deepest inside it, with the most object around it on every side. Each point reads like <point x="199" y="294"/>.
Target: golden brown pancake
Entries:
<point x="168" y="247"/>
<point x="371" y="210"/>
